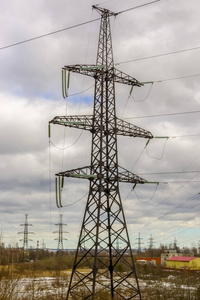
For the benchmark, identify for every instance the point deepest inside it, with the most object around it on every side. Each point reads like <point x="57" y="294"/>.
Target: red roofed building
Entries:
<point x="183" y="262"/>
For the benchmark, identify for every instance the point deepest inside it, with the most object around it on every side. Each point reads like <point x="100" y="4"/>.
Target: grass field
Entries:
<point x="48" y="280"/>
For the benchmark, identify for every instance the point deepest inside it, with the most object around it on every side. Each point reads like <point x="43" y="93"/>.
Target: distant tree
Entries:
<point x="194" y="249"/>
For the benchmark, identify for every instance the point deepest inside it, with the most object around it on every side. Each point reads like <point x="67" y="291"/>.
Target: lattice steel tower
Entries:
<point x="60" y="233"/>
<point x="112" y="269"/>
<point x="139" y="243"/>
<point x="26" y="232"/>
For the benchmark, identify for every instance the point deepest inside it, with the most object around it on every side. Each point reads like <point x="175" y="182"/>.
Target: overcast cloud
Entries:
<point x="31" y="96"/>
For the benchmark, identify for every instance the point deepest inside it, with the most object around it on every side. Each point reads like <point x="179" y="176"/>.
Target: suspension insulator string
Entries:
<point x="62" y="182"/>
<point x="63" y="82"/>
<point x="56" y="191"/>
<point x="59" y="186"/>
<point x="49" y="131"/>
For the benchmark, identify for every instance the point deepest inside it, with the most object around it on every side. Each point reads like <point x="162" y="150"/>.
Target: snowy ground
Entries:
<point x="56" y="288"/>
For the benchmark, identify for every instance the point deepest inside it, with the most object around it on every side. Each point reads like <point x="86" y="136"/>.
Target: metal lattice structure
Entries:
<point x="60" y="233"/>
<point x="26" y="232"/>
<point x="111" y="268"/>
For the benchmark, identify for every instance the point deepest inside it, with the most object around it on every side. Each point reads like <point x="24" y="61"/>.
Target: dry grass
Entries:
<point x="43" y="280"/>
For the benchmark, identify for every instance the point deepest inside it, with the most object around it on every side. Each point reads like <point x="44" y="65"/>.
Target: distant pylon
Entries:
<point x="26" y="233"/>
<point x="139" y="243"/>
<point x="175" y="243"/>
<point x="43" y="245"/>
<point x="60" y="234"/>
<point x="151" y="242"/>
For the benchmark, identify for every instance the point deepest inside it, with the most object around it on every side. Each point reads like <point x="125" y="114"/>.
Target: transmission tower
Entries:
<point x="60" y="233"/>
<point x="175" y="245"/>
<point x="26" y="233"/>
<point x="151" y="242"/>
<point x="139" y="243"/>
<point x="104" y="221"/>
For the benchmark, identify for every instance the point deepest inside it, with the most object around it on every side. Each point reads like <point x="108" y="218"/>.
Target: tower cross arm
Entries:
<point x="84" y="173"/>
<point x="89" y="70"/>
<point x="128" y="129"/>
<point x="127" y="176"/>
<point x="96" y="71"/>
<point x="81" y="122"/>
<point x="122" y="77"/>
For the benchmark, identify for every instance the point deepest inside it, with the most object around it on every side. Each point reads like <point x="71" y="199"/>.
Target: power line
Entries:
<point x="176" y="78"/>
<point x="139" y="6"/>
<point x="187" y="135"/>
<point x="158" y="55"/>
<point x="166" y="173"/>
<point x="163" y="115"/>
<point x="75" y="201"/>
<point x="193" y="238"/>
<point x="73" y="26"/>
<point x="178" y="181"/>
<point x="185" y="182"/>
<point x="79" y="93"/>
<point x="47" y="34"/>
<point x="153" y="208"/>
<point x="180" y="232"/>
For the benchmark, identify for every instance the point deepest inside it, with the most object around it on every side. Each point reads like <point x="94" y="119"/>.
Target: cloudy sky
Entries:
<point x="157" y="42"/>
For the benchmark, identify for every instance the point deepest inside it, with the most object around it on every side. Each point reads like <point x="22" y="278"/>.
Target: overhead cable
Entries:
<point x="167" y="173"/>
<point x="184" y="183"/>
<point x="75" y="201"/>
<point x="47" y="34"/>
<point x="139" y="6"/>
<point x="157" y="55"/>
<point x="176" y="78"/>
<point x="183" y="230"/>
<point x="153" y="208"/>
<point x="73" y="26"/>
<point x="163" y="115"/>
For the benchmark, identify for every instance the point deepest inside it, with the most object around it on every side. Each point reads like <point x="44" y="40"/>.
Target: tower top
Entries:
<point x="104" y="11"/>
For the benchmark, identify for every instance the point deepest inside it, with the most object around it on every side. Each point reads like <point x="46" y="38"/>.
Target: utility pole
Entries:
<point x="60" y="234"/>
<point x="111" y="269"/>
<point x="26" y="233"/>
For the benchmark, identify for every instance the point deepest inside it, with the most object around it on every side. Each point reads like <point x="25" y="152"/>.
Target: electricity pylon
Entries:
<point x="139" y="243"/>
<point x="111" y="270"/>
<point x="60" y="234"/>
<point x="26" y="233"/>
<point x="151" y="242"/>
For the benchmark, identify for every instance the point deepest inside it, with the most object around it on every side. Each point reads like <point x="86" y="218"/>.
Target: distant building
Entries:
<point x="167" y="254"/>
<point x="172" y="252"/>
<point x="183" y="262"/>
<point x="152" y="260"/>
